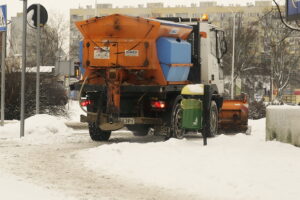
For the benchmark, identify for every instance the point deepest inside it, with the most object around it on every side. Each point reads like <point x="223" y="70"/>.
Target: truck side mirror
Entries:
<point x="223" y="47"/>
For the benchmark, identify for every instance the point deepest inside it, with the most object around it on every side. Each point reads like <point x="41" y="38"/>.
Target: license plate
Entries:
<point x="128" y="120"/>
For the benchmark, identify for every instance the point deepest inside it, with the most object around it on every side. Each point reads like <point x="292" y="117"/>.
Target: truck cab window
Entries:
<point x="213" y="42"/>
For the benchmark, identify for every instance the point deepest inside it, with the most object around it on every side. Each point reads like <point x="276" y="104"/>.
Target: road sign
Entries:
<point x="32" y="15"/>
<point x="3" y="28"/>
<point x="293" y="9"/>
<point x="3" y="17"/>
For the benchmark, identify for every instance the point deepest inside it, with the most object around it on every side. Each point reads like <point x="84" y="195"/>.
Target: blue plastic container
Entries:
<point x="174" y="51"/>
<point x="175" y="73"/>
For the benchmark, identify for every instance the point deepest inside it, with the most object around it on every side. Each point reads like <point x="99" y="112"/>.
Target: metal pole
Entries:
<point x="3" y="77"/>
<point x="95" y="8"/>
<point x="22" y="127"/>
<point x="70" y="68"/>
<point x="38" y="62"/>
<point x="69" y="82"/>
<point x="232" y="66"/>
<point x="58" y="66"/>
<point x="272" y="81"/>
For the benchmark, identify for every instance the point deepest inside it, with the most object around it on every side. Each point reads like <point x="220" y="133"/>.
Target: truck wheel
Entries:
<point x="97" y="134"/>
<point x="178" y="132"/>
<point x="212" y="126"/>
<point x="138" y="129"/>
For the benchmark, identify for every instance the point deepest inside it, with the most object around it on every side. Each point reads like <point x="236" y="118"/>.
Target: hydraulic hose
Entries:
<point x="79" y="97"/>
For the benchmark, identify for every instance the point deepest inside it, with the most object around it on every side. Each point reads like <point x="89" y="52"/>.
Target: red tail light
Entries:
<point x="158" y="104"/>
<point x="85" y="103"/>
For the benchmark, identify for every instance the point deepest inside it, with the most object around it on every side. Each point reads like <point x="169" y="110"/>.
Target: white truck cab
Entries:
<point x="213" y="47"/>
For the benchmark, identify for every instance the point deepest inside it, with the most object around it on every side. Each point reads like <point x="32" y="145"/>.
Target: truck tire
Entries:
<point x="212" y="126"/>
<point x="177" y="131"/>
<point x="97" y="134"/>
<point x="138" y="129"/>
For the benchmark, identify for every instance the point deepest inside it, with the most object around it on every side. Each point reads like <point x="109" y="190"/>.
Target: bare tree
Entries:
<point x="53" y="41"/>
<point x="278" y="56"/>
<point x="246" y="54"/>
<point x="245" y="45"/>
<point x="283" y="62"/>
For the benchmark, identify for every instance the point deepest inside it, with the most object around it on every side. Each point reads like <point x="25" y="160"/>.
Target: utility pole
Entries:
<point x="22" y="127"/>
<point x="38" y="62"/>
<point x="232" y="66"/>
<point x="3" y="77"/>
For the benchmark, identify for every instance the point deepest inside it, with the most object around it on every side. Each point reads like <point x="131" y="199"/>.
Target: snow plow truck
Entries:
<point x="163" y="75"/>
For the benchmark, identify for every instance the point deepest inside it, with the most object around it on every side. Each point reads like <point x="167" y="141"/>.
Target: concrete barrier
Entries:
<point x="283" y="124"/>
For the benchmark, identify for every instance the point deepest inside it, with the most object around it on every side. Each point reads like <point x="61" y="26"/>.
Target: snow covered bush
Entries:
<point x="257" y="110"/>
<point x="52" y="95"/>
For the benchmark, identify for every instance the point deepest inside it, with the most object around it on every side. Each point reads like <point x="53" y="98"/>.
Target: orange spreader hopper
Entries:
<point x="127" y="43"/>
<point x="234" y="115"/>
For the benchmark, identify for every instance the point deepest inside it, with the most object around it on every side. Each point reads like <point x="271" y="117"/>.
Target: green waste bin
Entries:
<point x="192" y="114"/>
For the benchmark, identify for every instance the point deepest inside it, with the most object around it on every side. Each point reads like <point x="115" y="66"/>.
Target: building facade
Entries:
<point x="15" y="39"/>
<point x="218" y="14"/>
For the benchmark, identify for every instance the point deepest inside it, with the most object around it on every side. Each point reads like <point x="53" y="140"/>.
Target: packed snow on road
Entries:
<point x="235" y="166"/>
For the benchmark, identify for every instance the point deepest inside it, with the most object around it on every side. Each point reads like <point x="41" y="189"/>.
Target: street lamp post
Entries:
<point x="232" y="63"/>
<point x="96" y="12"/>
<point x="22" y="126"/>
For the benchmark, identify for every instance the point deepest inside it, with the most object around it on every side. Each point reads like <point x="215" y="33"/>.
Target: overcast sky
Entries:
<point x="63" y="6"/>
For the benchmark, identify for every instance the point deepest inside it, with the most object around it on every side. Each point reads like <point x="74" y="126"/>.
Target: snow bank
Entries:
<point x="45" y="129"/>
<point x="74" y="111"/>
<point x="39" y="129"/>
<point x="230" y="167"/>
<point x="12" y="188"/>
<point x="283" y="124"/>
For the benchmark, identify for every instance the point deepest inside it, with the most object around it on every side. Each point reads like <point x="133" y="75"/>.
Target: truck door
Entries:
<point x="216" y="68"/>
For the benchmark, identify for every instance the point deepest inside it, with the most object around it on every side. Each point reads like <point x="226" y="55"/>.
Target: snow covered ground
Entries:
<point x="231" y="167"/>
<point x="44" y="129"/>
<point x="13" y="188"/>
